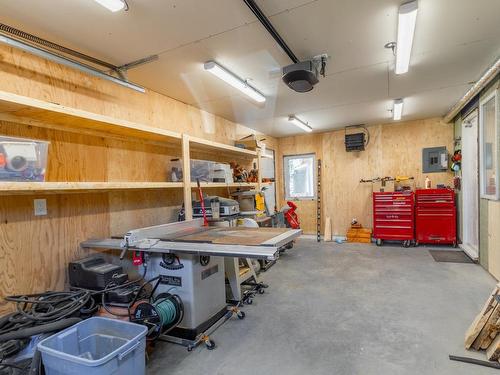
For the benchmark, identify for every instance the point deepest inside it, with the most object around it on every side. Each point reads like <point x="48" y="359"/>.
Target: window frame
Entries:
<point x="285" y="180"/>
<point x="482" y="188"/>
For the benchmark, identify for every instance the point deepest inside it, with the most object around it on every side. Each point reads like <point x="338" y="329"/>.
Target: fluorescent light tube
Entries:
<point x="112" y="5"/>
<point x="233" y="80"/>
<point x="397" y="110"/>
<point x="407" y="18"/>
<point x="299" y="123"/>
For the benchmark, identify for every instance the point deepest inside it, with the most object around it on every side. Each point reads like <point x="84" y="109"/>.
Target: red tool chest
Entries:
<point x="394" y="217"/>
<point x="436" y="216"/>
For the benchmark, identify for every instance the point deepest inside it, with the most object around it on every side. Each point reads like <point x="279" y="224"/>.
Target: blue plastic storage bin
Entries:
<point x="96" y="346"/>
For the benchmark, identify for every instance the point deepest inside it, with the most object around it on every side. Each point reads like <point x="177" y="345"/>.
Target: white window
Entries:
<point x="489" y="146"/>
<point x="299" y="173"/>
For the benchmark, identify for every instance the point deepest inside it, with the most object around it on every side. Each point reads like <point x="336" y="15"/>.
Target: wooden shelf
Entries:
<point x="222" y="184"/>
<point x="200" y="144"/>
<point x="18" y="188"/>
<point x="17" y="108"/>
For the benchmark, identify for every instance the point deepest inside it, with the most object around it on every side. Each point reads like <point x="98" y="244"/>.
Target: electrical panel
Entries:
<point x="434" y="159"/>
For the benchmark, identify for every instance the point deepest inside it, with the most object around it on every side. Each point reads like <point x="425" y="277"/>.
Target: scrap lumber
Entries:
<point x="481" y="319"/>
<point x="489" y="331"/>
<point x="328" y="229"/>
<point x="493" y="351"/>
<point x="362" y="235"/>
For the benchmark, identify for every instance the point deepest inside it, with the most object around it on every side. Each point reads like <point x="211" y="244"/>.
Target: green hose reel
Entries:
<point x="160" y="315"/>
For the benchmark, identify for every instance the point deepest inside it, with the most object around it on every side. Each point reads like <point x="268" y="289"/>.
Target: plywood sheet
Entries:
<point x="394" y="149"/>
<point x="234" y="236"/>
<point x="494" y="238"/>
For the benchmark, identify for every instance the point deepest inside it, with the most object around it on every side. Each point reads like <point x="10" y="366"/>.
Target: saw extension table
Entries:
<point x="190" y="259"/>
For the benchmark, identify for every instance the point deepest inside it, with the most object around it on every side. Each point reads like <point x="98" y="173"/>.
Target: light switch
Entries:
<point x="40" y="207"/>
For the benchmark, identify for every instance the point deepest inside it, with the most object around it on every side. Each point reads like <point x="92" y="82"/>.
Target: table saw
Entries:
<point x="190" y="258"/>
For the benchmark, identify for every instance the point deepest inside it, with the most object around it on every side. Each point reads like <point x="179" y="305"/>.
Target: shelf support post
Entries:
<point x="186" y="176"/>
<point x="259" y="170"/>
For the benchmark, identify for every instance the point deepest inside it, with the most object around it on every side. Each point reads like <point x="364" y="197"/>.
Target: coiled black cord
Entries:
<point x="43" y="308"/>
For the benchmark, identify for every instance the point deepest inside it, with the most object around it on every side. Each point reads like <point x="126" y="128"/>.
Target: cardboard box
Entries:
<point x="251" y="142"/>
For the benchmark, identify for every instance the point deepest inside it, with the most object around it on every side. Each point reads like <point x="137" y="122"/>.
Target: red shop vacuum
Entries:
<point x="291" y="217"/>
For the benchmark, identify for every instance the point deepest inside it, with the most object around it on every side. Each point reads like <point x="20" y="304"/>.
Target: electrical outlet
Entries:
<point x="40" y="207"/>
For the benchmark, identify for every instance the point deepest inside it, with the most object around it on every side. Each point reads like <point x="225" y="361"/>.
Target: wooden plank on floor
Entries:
<point x="493" y="351"/>
<point x="489" y="331"/>
<point x="479" y="322"/>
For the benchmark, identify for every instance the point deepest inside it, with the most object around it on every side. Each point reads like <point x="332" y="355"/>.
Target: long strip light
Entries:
<point x="233" y="80"/>
<point x="407" y="18"/>
<point x="397" y="110"/>
<point x="299" y="123"/>
<point x="113" y="5"/>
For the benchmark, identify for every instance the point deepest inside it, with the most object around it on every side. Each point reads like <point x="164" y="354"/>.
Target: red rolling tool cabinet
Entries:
<point x="436" y="216"/>
<point x="394" y="217"/>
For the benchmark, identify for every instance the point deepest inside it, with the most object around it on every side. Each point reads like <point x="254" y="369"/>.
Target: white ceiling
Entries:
<point x="455" y="41"/>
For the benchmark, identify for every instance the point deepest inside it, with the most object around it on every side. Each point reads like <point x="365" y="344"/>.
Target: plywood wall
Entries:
<point x="34" y="251"/>
<point x="301" y="144"/>
<point x="494" y="238"/>
<point x="394" y="150"/>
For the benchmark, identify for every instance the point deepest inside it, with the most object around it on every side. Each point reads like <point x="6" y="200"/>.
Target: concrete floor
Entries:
<point x="346" y="309"/>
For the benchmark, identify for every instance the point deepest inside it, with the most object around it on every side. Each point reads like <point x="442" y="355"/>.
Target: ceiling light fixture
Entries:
<point x="407" y="18"/>
<point x="299" y="123"/>
<point x="233" y="80"/>
<point x="113" y="5"/>
<point x="397" y="109"/>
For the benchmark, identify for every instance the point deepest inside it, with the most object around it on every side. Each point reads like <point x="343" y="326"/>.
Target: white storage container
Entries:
<point x="22" y="159"/>
<point x="202" y="170"/>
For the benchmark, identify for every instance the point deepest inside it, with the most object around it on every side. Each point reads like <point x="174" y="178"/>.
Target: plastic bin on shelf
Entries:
<point x="202" y="170"/>
<point x="96" y="346"/>
<point x="22" y="159"/>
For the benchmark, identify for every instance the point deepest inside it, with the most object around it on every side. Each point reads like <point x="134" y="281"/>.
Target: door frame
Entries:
<point x="472" y="253"/>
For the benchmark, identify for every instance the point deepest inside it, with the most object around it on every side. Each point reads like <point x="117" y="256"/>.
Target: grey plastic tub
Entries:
<point x="96" y="346"/>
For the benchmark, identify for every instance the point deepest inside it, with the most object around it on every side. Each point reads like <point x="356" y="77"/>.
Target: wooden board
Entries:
<point x="359" y="233"/>
<point x="234" y="236"/>
<point x="18" y="188"/>
<point x="19" y="108"/>
<point x="480" y="321"/>
<point x="493" y="351"/>
<point x="359" y="239"/>
<point x="489" y="331"/>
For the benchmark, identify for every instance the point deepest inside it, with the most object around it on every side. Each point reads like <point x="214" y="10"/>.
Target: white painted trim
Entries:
<point x="481" y="147"/>
<point x="314" y="175"/>
<point x="469" y="177"/>
<point x="473" y="254"/>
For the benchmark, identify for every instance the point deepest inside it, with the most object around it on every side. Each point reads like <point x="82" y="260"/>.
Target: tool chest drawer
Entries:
<point x="436" y="216"/>
<point x="435" y="198"/>
<point x="393" y="216"/>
